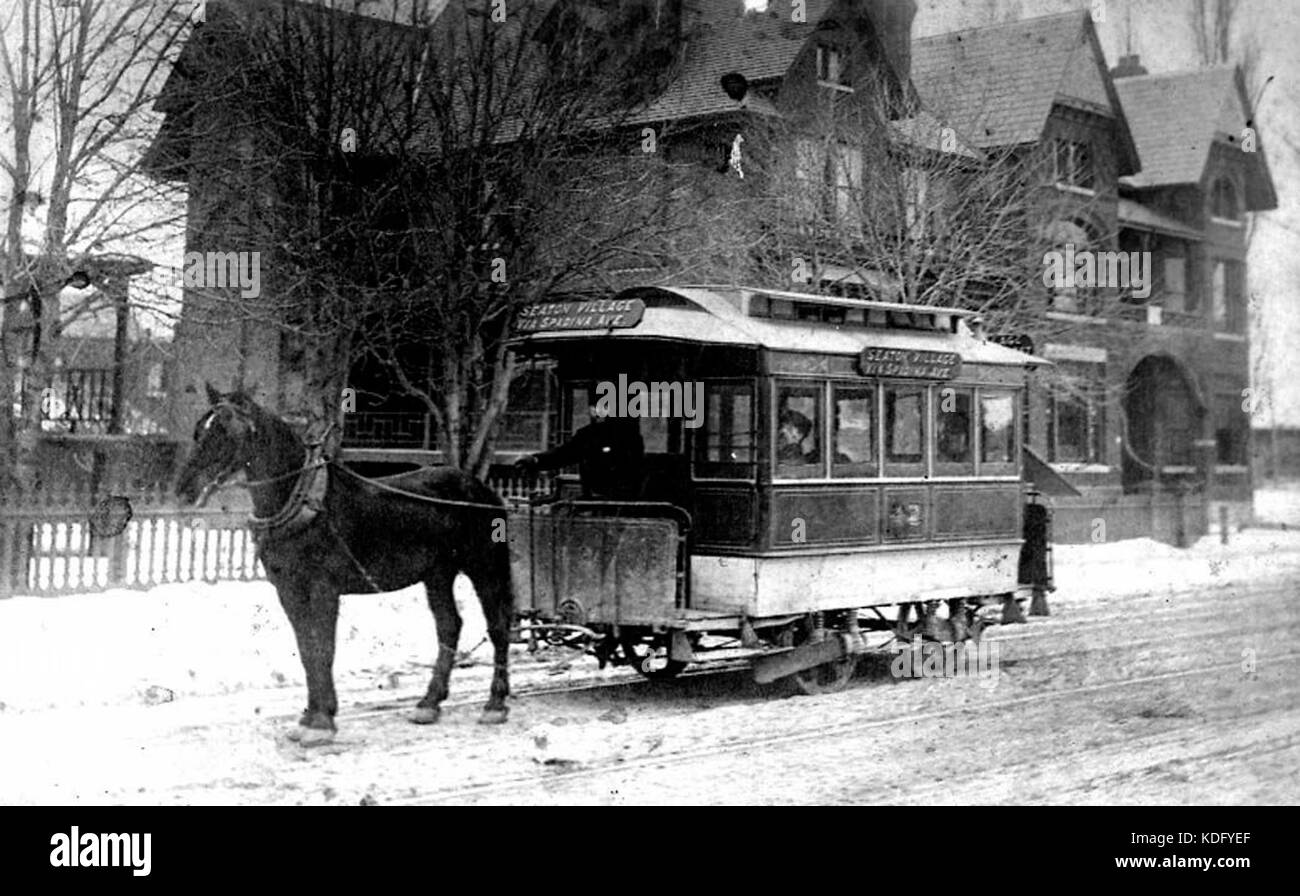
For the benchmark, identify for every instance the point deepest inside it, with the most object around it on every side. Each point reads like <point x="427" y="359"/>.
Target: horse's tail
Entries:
<point x="492" y="575"/>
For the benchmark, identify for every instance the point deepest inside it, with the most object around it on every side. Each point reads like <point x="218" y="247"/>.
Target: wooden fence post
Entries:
<point x="8" y="532"/>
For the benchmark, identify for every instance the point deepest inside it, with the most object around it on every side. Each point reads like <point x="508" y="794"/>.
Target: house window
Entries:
<point x="1065" y="239"/>
<point x="828" y="181"/>
<point x="1072" y="162"/>
<point x="1236" y="273"/>
<point x="845" y="181"/>
<point x="1223" y="200"/>
<point x="1230" y="429"/>
<point x="809" y="171"/>
<point x="854" y="432"/>
<point x="1228" y="295"/>
<point x="1076" y="416"/>
<point x="1173" y="270"/>
<point x="525" y="426"/>
<point x="830" y="67"/>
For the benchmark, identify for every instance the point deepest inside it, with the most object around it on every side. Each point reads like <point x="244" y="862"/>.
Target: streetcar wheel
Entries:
<point x="649" y="656"/>
<point x="824" y="679"/>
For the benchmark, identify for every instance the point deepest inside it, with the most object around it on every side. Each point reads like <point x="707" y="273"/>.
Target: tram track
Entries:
<point x="816" y="732"/>
<point x="1164" y="649"/>
<point x="1147" y="609"/>
<point x="1178" y="649"/>
<point x="1219" y="741"/>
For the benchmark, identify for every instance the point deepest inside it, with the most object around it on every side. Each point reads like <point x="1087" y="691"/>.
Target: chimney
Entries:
<point x="1128" y="67"/>
<point x="893" y="21"/>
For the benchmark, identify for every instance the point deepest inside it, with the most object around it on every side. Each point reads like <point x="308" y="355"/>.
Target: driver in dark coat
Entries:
<point x="609" y="453"/>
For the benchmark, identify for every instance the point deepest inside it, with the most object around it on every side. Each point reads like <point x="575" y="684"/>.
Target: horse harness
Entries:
<point x="306" y="501"/>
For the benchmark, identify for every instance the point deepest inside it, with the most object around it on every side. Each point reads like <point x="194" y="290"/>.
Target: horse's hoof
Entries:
<point x="425" y="715"/>
<point x="315" y="737"/>
<point x="493" y="716"/>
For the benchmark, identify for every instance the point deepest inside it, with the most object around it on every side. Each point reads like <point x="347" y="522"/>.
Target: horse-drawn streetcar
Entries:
<point x="815" y="469"/>
<point x="768" y="476"/>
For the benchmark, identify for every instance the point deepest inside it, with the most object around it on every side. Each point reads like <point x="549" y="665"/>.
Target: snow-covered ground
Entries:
<point x="1278" y="505"/>
<point x="178" y="641"/>
<point x="198" y="639"/>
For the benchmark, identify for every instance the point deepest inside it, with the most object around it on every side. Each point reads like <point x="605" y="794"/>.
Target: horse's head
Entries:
<point x="223" y="444"/>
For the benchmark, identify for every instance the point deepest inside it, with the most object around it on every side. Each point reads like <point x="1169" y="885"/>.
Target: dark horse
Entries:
<point x="323" y="531"/>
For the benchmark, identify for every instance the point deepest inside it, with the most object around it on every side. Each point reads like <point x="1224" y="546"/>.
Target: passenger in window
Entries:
<point x="794" y="429"/>
<point x="954" y="437"/>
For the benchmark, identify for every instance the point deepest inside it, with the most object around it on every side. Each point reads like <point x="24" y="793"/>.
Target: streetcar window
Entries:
<point x="798" y="431"/>
<point x="855" y="431"/>
<point x="905" y="426"/>
<point x="724" y="445"/>
<point x="997" y="429"/>
<point x="954" y="418"/>
<point x="579" y="408"/>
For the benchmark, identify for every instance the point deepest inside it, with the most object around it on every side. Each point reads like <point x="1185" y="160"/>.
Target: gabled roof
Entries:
<point x="1177" y="118"/>
<point x="760" y="46"/>
<point x="997" y="84"/>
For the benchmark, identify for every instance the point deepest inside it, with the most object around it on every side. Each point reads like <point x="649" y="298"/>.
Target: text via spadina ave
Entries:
<point x="78" y="850"/>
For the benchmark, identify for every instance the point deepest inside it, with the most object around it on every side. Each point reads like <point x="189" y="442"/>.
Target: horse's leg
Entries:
<point x="442" y="602"/>
<point x="294" y="599"/>
<point x="313" y="610"/>
<point x="497" y="599"/>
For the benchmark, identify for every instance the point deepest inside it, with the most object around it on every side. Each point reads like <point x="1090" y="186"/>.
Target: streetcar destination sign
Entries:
<point x="597" y="314"/>
<point x="910" y="363"/>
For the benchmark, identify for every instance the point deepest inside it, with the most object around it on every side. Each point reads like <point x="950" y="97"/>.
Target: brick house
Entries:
<point x="1145" y="163"/>
<point x="1144" y="405"/>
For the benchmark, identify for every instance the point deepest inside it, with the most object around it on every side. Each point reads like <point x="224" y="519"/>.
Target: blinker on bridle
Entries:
<point x="314" y="456"/>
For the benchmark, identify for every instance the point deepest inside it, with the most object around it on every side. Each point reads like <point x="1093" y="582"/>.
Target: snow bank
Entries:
<point x="1279" y="506"/>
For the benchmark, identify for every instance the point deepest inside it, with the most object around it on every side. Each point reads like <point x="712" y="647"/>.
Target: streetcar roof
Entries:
<point x="724" y="316"/>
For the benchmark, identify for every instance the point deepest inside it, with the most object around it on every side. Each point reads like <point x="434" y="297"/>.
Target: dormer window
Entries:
<point x="1072" y="162"/>
<point x="831" y="70"/>
<point x="1223" y="200"/>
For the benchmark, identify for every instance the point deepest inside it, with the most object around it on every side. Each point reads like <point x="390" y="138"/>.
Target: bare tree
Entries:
<point x="422" y="177"/>
<point x="82" y="79"/>
<point x="862" y="196"/>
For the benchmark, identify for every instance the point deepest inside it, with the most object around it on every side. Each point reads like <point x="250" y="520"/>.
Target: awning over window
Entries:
<point x="1045" y="479"/>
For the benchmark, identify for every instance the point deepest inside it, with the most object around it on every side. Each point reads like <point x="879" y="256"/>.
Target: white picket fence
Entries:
<point x="47" y="546"/>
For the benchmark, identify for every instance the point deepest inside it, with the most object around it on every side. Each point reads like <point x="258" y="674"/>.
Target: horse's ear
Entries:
<point x="213" y="395"/>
